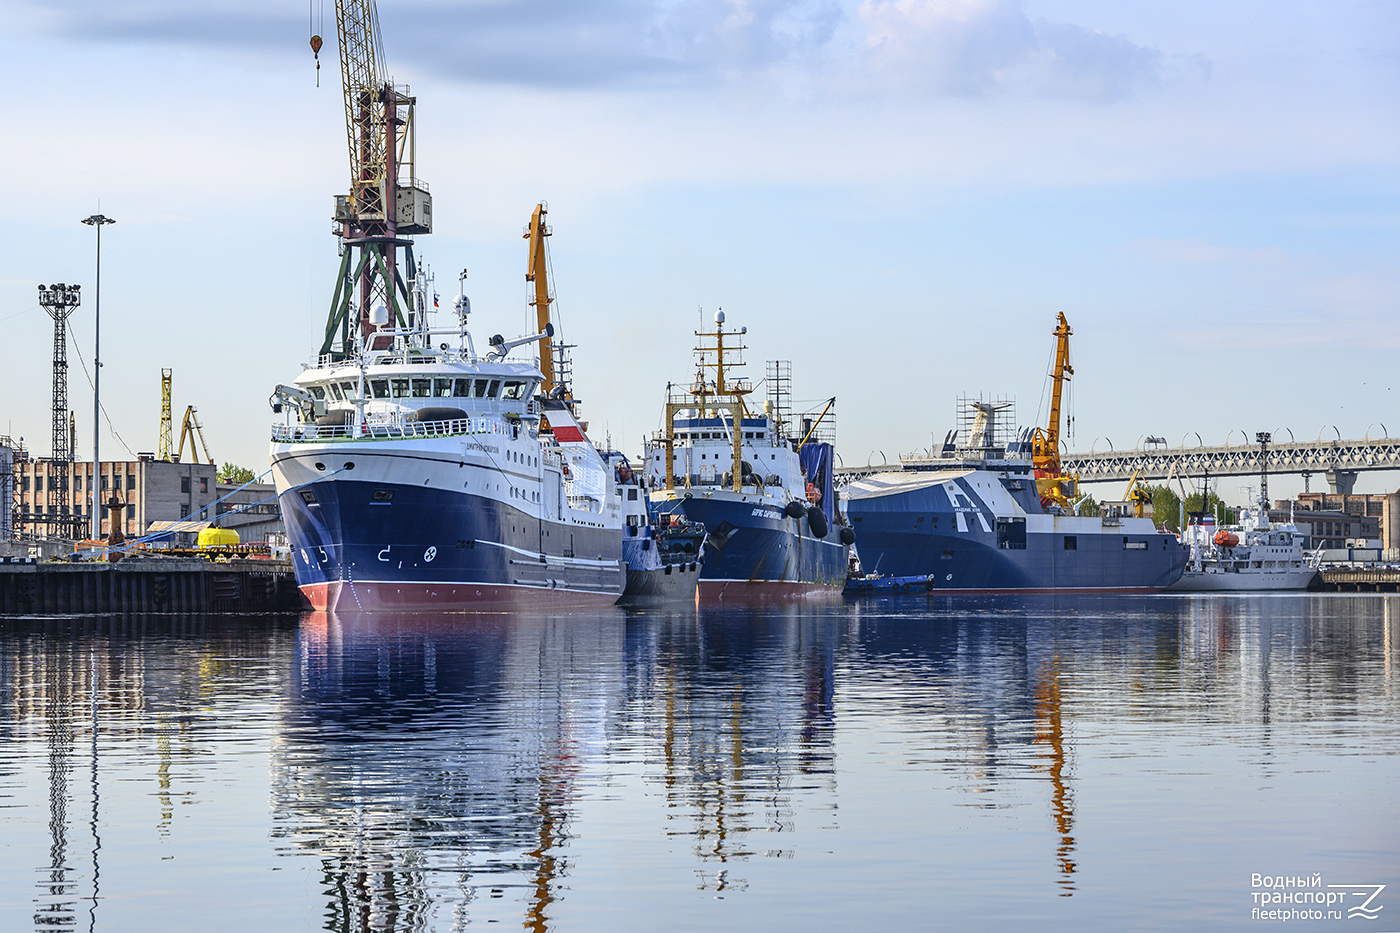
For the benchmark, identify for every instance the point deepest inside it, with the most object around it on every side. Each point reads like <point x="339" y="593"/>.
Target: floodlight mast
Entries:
<point x="98" y="221"/>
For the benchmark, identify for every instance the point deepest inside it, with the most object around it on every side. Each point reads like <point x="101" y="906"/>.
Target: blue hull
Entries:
<point x="372" y="545"/>
<point x="755" y="549"/>
<point x="920" y="533"/>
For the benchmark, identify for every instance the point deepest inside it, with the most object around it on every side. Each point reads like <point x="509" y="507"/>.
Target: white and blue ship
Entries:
<point x="412" y="471"/>
<point x="765" y="495"/>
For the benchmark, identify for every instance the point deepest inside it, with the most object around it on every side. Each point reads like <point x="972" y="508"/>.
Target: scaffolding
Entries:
<point x="986" y="423"/>
<point x="778" y="377"/>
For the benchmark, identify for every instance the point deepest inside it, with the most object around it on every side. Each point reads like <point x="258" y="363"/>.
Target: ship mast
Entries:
<point x="718" y="397"/>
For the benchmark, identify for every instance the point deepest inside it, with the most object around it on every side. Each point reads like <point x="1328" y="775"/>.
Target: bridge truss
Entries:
<point x="1338" y="460"/>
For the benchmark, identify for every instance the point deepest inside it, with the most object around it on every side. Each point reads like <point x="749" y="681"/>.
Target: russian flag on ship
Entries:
<point x="562" y="422"/>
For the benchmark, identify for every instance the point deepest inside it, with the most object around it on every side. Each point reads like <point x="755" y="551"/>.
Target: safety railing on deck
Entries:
<point x="319" y="433"/>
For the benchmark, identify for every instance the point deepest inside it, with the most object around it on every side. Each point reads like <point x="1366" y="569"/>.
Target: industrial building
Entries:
<point x="10" y="452"/>
<point x="1338" y="521"/>
<point x="149" y="490"/>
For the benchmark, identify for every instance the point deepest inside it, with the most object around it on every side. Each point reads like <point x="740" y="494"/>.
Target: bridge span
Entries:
<point x="1339" y="461"/>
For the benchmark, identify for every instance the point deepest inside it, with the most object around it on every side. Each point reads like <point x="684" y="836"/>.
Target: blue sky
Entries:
<point x="896" y="195"/>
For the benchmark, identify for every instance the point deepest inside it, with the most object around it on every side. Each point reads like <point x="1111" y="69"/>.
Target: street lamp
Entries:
<point x="98" y="221"/>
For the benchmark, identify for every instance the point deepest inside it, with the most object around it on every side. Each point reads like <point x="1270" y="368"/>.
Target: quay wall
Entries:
<point x="147" y="585"/>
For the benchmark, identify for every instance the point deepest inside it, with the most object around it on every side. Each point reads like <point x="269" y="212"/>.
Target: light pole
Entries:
<point x="98" y="221"/>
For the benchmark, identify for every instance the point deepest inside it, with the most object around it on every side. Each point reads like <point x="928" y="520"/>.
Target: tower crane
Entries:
<point x="165" y="421"/>
<point x="387" y="202"/>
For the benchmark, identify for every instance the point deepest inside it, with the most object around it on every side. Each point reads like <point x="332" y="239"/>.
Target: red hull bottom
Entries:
<point x="340" y="596"/>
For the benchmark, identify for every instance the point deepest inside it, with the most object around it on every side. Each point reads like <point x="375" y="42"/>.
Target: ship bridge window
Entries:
<point x="480" y="390"/>
<point x="400" y="387"/>
<point x="442" y="388"/>
<point x="318" y="393"/>
<point x="514" y="390"/>
<point x="422" y="387"/>
<point x="379" y="388"/>
<point x="493" y="388"/>
<point x="462" y="388"/>
<point x="350" y="389"/>
<point x="335" y="392"/>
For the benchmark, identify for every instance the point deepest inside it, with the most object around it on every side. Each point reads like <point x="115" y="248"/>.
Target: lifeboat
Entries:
<point x="1225" y="538"/>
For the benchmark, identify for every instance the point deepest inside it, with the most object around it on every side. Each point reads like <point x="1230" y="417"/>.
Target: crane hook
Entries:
<point x="316" y="51"/>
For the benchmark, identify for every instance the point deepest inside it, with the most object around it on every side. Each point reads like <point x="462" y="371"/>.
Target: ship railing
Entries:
<point x="386" y="430"/>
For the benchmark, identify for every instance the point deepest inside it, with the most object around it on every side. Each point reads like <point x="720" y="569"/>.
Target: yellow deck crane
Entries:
<point x="537" y="273"/>
<point x="1054" y="486"/>
<point x="1138" y="494"/>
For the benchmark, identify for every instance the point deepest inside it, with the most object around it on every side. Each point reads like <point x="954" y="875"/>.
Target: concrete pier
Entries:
<point x="1358" y="580"/>
<point x="147" y="585"/>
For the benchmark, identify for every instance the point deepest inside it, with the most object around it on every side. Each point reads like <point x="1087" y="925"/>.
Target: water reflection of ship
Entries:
<point x="975" y="674"/>
<point x="747" y="722"/>
<point x="1050" y="731"/>
<point x="433" y="759"/>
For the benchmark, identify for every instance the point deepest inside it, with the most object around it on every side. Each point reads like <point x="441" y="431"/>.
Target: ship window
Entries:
<point x="514" y="390"/>
<point x="480" y="390"/>
<point x="318" y="393"/>
<point x="1071" y="542"/>
<point x="947" y="555"/>
<point x="919" y="519"/>
<point x="335" y="391"/>
<point x="350" y="389"/>
<point x="308" y="497"/>
<point x="442" y="388"/>
<point x="400" y="387"/>
<point x="462" y="388"/>
<point x="422" y="388"/>
<point x="379" y="387"/>
<point x="631" y="494"/>
<point x="493" y="388"/>
<point x="1134" y="545"/>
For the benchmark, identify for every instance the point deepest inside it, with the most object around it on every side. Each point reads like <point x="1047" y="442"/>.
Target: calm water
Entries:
<point x="904" y="763"/>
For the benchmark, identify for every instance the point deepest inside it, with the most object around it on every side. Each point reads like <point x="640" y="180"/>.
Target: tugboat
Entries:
<point x="414" y="472"/>
<point x="998" y="513"/>
<point x="766" y="498"/>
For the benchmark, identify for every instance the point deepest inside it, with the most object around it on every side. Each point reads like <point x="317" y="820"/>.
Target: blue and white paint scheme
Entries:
<point x="765" y="498"/>
<point x="972" y="520"/>
<point x="416" y="473"/>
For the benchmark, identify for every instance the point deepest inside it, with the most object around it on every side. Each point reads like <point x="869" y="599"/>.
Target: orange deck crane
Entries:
<point x="1054" y="486"/>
